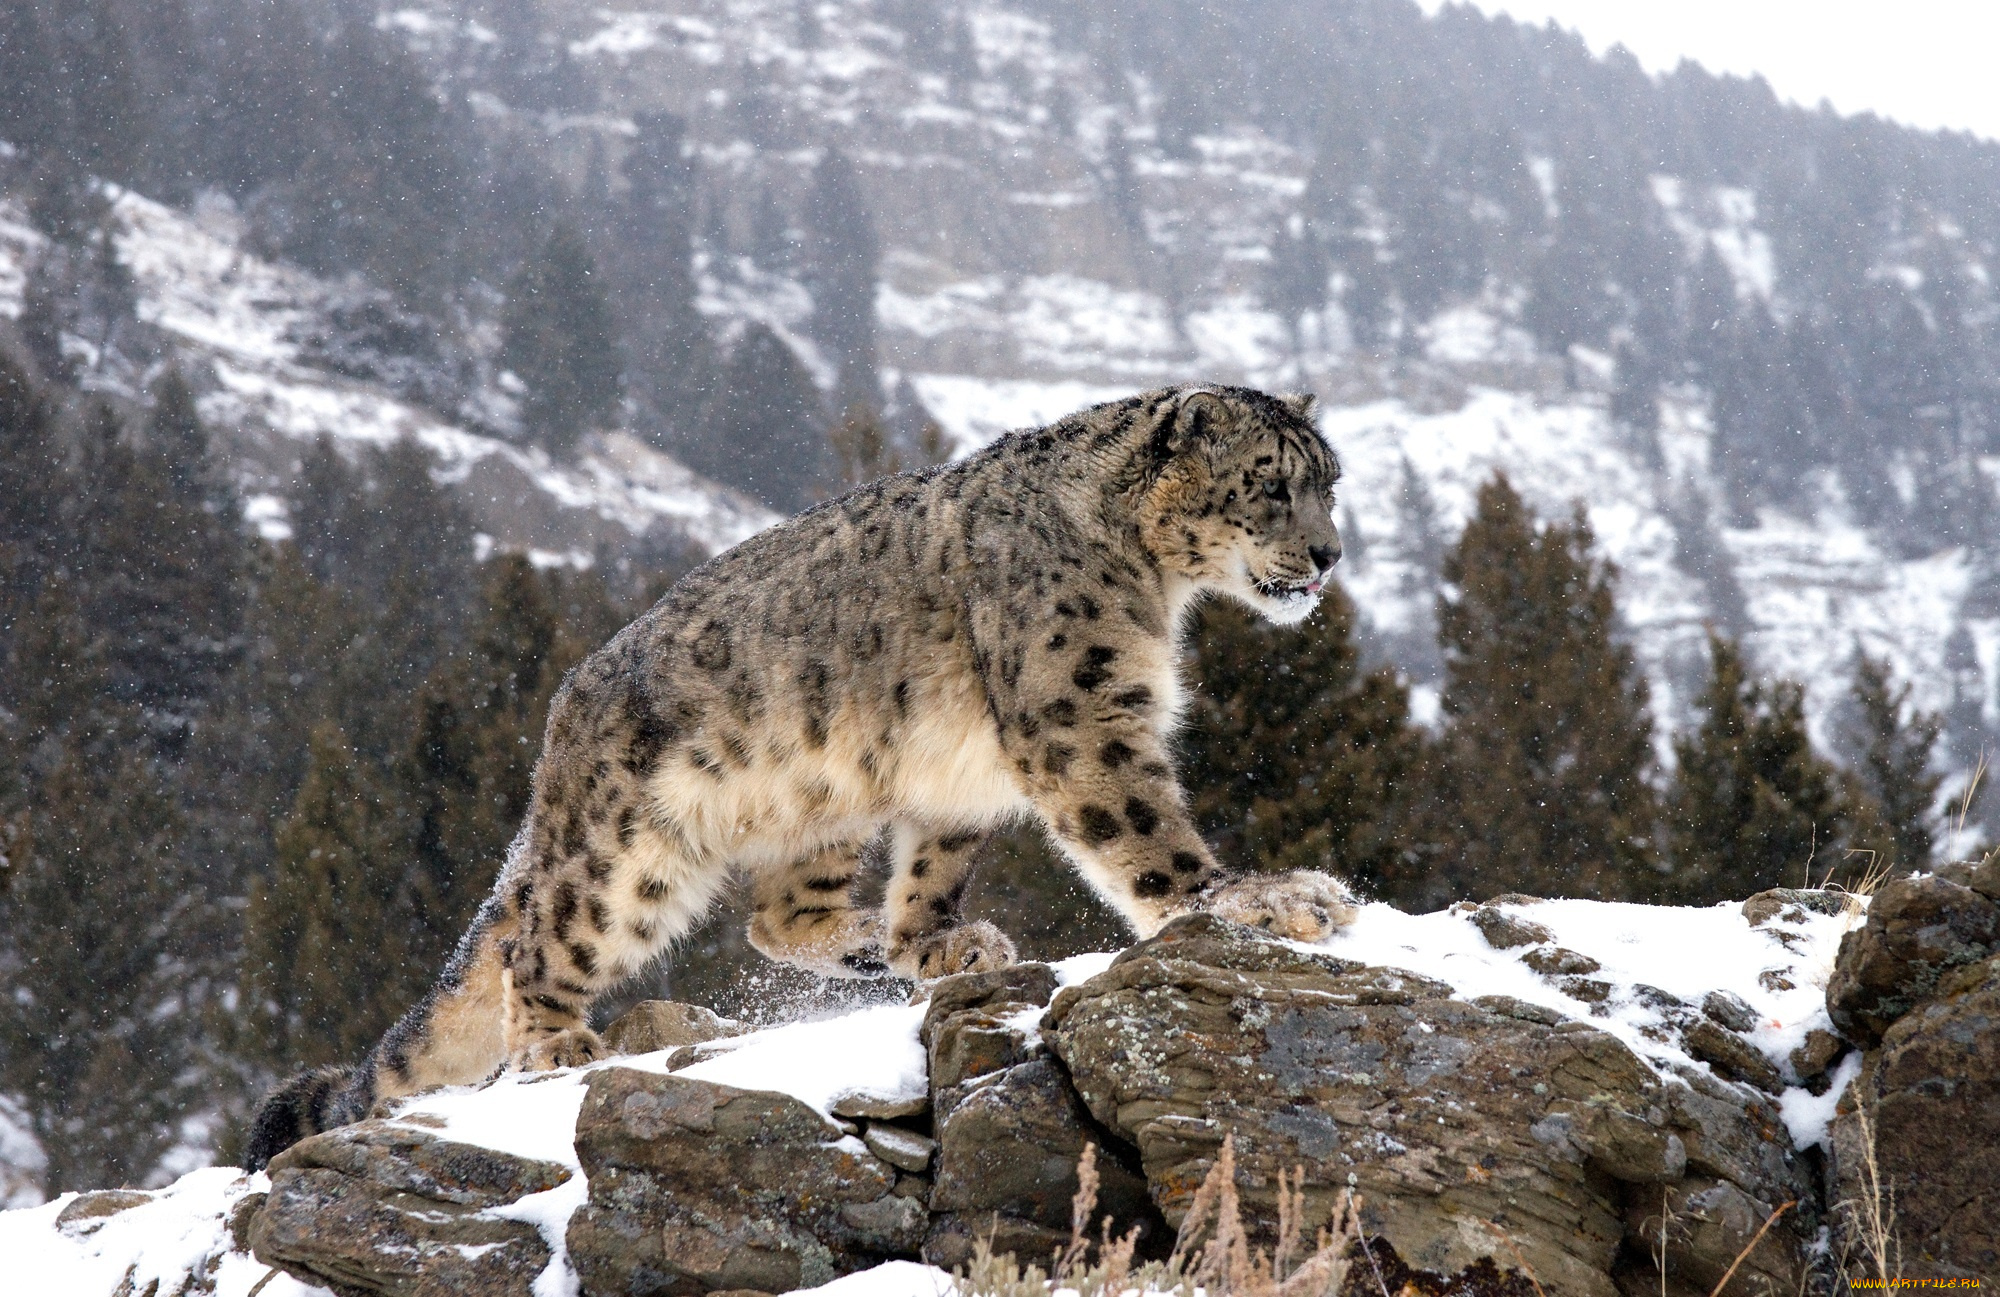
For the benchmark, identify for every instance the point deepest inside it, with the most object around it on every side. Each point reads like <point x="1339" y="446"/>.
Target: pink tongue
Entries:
<point x="1312" y="587"/>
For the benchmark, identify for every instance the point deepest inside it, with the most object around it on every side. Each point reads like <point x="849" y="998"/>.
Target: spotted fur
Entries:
<point x="937" y="653"/>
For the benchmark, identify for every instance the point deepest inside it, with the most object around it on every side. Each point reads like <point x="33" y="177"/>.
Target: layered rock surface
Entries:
<point x="1523" y="1108"/>
<point x="1916" y="1147"/>
<point x="1485" y="1129"/>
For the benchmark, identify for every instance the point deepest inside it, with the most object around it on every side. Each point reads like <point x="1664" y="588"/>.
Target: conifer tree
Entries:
<point x="31" y="475"/>
<point x="94" y="1028"/>
<point x="1540" y="784"/>
<point x="1893" y="748"/>
<point x="1752" y="805"/>
<point x="763" y="428"/>
<point x="323" y="948"/>
<point x="665" y="333"/>
<point x="160" y="560"/>
<point x="845" y="252"/>
<point x="1293" y="757"/>
<point x="561" y="342"/>
<point x="478" y="729"/>
<point x="400" y="546"/>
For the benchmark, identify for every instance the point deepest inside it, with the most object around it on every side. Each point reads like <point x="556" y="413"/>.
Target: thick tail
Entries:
<point x="454" y="1036"/>
<point x="305" y="1105"/>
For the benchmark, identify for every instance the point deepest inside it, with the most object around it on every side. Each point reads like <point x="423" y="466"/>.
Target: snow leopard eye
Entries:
<point x="1276" y="489"/>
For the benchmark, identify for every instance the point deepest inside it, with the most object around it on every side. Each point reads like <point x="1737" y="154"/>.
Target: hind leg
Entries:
<point x="805" y="916"/>
<point x="928" y="937"/>
<point x="595" y="905"/>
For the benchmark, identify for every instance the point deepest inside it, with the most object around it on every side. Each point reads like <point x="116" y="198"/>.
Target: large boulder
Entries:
<point x="385" y="1208"/>
<point x="1010" y="1131"/>
<point x="1919" y="929"/>
<point x="1478" y="1135"/>
<point x="1916" y="1147"/>
<point x="696" y="1187"/>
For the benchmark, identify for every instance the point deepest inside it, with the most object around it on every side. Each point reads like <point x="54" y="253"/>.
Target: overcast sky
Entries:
<point x="1928" y="63"/>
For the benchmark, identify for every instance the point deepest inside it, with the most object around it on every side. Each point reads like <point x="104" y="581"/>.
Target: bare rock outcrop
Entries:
<point x="1494" y="1145"/>
<point x="696" y="1187"/>
<point x="1919" y="929"/>
<point x="1010" y="1131"/>
<point x="1483" y="1137"/>
<point x="1915" y="1172"/>
<point x="382" y="1208"/>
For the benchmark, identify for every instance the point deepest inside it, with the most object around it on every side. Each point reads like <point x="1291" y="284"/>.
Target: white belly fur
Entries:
<point x="944" y="767"/>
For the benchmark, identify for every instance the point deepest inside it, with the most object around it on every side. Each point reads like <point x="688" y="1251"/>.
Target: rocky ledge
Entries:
<point x="1614" y="1138"/>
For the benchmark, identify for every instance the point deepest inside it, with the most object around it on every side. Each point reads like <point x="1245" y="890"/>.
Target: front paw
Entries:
<point x="570" y="1048"/>
<point x="967" y="948"/>
<point x="1302" y="905"/>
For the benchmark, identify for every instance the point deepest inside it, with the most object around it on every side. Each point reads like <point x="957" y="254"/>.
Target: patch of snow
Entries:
<point x="1469" y="335"/>
<point x="1817" y="589"/>
<point x="549" y="1212"/>
<point x="1067" y="322"/>
<point x="270" y="515"/>
<point x="873" y="1052"/>
<point x="1239" y="336"/>
<point x="974" y="411"/>
<point x="890" y="1279"/>
<point x="20" y="245"/>
<point x="165" y="1242"/>
<point x="967" y="305"/>
<point x="1743" y="249"/>
<point x="1779" y="969"/>
<point x="1808" y="1116"/>
<point x="624" y="34"/>
<point x="527" y="1114"/>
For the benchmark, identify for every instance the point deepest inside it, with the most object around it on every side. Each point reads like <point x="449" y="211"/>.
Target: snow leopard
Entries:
<point x="930" y="656"/>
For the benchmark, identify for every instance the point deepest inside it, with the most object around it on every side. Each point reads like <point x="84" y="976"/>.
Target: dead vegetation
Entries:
<point x="1212" y="1255"/>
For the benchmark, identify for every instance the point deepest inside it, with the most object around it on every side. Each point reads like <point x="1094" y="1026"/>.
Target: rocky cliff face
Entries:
<point x="1592" y="1134"/>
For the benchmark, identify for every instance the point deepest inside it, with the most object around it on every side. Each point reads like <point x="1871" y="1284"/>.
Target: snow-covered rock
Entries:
<point x="1643" y="978"/>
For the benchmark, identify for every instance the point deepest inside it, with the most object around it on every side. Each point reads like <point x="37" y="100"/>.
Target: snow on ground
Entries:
<point x="1819" y="590"/>
<point x="20" y="243"/>
<point x="1779" y="970"/>
<point x="182" y="1231"/>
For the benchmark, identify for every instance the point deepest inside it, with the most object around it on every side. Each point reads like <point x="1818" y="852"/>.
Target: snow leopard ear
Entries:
<point x="1201" y="416"/>
<point x="1303" y="404"/>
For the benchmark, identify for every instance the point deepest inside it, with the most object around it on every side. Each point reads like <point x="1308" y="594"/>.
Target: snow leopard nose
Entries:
<point x="1324" y="556"/>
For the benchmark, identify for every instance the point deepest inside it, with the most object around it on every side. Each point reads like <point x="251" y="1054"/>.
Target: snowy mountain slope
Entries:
<point x="1043" y="248"/>
<point x="235" y="319"/>
<point x="1778" y="971"/>
<point x="1812" y="585"/>
<point x="1048" y="241"/>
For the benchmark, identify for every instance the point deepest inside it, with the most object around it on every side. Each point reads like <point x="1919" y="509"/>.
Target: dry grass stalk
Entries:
<point x="1212" y="1256"/>
<point x="1666" y="1225"/>
<point x="1520" y="1261"/>
<point x="1969" y="796"/>
<point x="1755" y="1239"/>
<point x="1872" y="1216"/>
